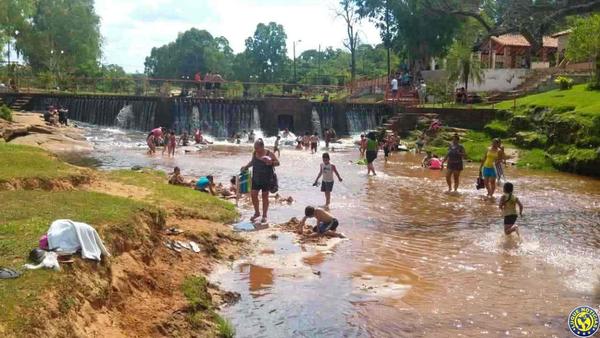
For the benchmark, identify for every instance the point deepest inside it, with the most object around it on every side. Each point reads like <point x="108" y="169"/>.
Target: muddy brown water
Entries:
<point x="419" y="262"/>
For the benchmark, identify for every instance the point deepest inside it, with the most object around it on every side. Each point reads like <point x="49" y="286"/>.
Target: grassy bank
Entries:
<point x="561" y="125"/>
<point x="127" y="225"/>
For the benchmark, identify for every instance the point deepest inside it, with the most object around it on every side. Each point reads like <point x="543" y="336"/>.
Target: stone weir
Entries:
<point x="218" y="117"/>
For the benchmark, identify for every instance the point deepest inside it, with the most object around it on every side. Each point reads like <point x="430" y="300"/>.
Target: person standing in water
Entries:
<point x="508" y="205"/>
<point x="171" y="144"/>
<point x="371" y="152"/>
<point x="488" y="167"/>
<point x="314" y="143"/>
<point x="262" y="163"/>
<point x="454" y="157"/>
<point x="362" y="145"/>
<point x="276" y="146"/>
<point x="327" y="170"/>
<point x="499" y="161"/>
<point x="150" y="140"/>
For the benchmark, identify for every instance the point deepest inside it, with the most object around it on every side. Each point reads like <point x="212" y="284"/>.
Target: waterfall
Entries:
<point x="124" y="119"/>
<point x="195" y="117"/>
<point x="255" y="119"/>
<point x="362" y="118"/>
<point x="316" y="122"/>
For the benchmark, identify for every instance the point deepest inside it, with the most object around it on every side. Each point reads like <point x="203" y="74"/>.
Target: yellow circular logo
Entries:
<point x="583" y="321"/>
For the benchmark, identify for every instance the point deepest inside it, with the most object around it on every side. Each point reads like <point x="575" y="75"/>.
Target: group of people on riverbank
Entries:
<point x="57" y="116"/>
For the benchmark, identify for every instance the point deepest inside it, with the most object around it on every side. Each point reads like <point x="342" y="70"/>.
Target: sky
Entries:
<point x="130" y="28"/>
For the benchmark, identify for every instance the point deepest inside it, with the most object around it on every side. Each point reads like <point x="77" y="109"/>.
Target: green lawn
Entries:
<point x="22" y="162"/>
<point x="200" y="204"/>
<point x="579" y="97"/>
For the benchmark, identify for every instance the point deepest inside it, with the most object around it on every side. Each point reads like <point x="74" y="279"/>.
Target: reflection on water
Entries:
<point x="419" y="262"/>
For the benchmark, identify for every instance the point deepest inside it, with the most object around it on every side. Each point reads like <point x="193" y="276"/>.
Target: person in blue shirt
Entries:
<point x="206" y="184"/>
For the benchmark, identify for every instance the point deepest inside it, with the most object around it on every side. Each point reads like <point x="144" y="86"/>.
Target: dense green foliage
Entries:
<point x="266" y="50"/>
<point x="5" y="113"/>
<point x="584" y="44"/>
<point x="564" y="123"/>
<point x="193" y="51"/>
<point x="50" y="42"/>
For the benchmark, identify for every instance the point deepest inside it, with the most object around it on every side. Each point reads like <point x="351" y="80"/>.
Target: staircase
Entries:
<point x="20" y="102"/>
<point x="531" y="83"/>
<point x="404" y="97"/>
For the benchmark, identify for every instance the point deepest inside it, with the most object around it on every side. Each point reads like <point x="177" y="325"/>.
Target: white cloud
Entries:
<point x="132" y="27"/>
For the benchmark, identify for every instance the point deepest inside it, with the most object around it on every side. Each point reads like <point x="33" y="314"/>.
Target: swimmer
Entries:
<point x="508" y="205"/>
<point x="325" y="221"/>
<point x="184" y="139"/>
<point x="426" y="159"/>
<point x="435" y="163"/>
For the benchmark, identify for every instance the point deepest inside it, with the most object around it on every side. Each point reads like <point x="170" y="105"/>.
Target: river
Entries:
<point x="418" y="262"/>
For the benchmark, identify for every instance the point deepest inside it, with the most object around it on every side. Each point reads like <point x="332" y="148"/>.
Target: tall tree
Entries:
<point x="349" y="13"/>
<point x="13" y="19"/>
<point x="462" y="65"/>
<point x="62" y="36"/>
<point x="268" y="52"/>
<point x="584" y="44"/>
<point x="193" y="51"/>
<point x="412" y="28"/>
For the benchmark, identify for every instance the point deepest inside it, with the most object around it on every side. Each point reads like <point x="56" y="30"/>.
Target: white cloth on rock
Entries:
<point x="70" y="236"/>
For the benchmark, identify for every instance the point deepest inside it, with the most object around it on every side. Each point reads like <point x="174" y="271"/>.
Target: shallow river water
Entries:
<point x="418" y="262"/>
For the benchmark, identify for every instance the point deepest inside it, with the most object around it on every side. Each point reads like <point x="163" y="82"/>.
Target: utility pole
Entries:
<point x="294" y="52"/>
<point x="319" y="65"/>
<point x="387" y="36"/>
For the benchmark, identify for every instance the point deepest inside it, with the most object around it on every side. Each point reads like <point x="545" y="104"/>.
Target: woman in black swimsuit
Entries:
<point x="262" y="163"/>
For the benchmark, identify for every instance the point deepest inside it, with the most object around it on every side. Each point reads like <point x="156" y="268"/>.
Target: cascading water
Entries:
<point x="316" y="122"/>
<point x="255" y="119"/>
<point x="124" y="119"/>
<point x="361" y="118"/>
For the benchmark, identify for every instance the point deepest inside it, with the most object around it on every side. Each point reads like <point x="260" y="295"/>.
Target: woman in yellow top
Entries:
<point x="488" y="167"/>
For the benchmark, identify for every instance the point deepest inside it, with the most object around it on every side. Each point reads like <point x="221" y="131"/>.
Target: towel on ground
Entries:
<point x="71" y="236"/>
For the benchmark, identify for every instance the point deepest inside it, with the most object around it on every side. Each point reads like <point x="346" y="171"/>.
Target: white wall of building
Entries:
<point x="502" y="80"/>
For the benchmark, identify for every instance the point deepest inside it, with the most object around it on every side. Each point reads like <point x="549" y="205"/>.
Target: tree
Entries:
<point x="193" y="51"/>
<point x="267" y="51"/>
<point x="531" y="18"/>
<point x="50" y="41"/>
<point x="462" y="65"/>
<point x="584" y="44"/>
<point x="348" y="12"/>
<point x="412" y="28"/>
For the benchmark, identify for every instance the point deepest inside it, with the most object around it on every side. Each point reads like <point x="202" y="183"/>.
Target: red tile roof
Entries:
<point x="517" y="40"/>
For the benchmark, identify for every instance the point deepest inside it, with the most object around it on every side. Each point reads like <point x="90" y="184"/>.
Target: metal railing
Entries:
<point x="142" y="86"/>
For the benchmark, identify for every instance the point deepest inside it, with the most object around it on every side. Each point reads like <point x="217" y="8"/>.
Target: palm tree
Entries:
<point x="463" y="66"/>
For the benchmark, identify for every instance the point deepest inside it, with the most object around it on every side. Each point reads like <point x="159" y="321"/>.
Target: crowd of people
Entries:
<point x="264" y="181"/>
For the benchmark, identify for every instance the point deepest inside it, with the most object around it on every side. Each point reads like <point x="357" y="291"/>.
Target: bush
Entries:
<point x="564" y="82"/>
<point x="5" y="113"/>
<point x="520" y="122"/>
<point x="530" y="139"/>
<point x="534" y="159"/>
<point x="496" y="128"/>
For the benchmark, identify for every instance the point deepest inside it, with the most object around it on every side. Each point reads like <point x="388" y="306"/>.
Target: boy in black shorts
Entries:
<point x="327" y="170"/>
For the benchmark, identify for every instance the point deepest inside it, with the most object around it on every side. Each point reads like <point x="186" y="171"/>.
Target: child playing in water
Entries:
<point x="172" y="143"/>
<point x="314" y="142"/>
<point x="184" y="139"/>
<point x="327" y="170"/>
<point x="276" y="146"/>
<point x="151" y="141"/>
<point x="508" y="205"/>
<point x="362" y="145"/>
<point x="325" y="221"/>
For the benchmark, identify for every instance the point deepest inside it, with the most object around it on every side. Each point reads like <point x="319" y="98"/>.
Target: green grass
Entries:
<point x="584" y="101"/>
<point x="22" y="162"/>
<point x="534" y="159"/>
<point x="24" y="217"/>
<point x="5" y="113"/>
<point x="199" y="204"/>
<point x="224" y="328"/>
